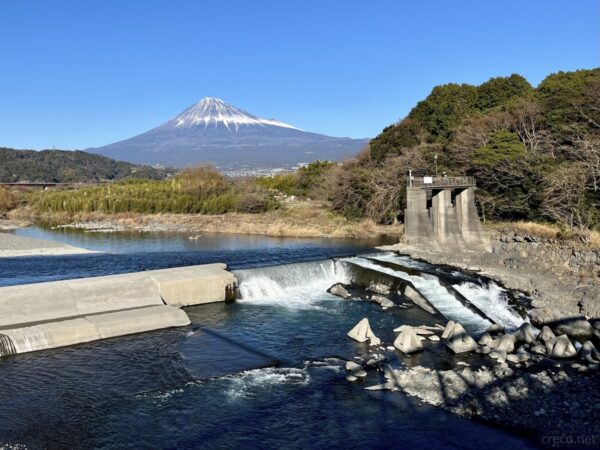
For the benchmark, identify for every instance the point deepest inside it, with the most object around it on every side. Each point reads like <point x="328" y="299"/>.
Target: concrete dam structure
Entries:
<point x="441" y="210"/>
<point x="60" y="313"/>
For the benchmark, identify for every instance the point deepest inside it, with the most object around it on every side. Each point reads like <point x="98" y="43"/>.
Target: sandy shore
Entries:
<point x="12" y="246"/>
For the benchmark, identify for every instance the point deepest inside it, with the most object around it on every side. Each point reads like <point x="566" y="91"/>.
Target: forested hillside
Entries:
<point x="535" y="152"/>
<point x="60" y="166"/>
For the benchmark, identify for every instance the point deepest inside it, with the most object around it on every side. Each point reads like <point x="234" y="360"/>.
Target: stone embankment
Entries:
<point x="55" y="314"/>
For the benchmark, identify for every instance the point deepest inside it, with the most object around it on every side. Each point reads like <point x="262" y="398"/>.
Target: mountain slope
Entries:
<point x="212" y="131"/>
<point x="61" y="166"/>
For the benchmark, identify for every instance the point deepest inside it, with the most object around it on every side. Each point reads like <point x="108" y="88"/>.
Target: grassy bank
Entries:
<point x="298" y="219"/>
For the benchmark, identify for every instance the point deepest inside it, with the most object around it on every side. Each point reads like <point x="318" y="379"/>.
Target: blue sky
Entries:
<point x="78" y="74"/>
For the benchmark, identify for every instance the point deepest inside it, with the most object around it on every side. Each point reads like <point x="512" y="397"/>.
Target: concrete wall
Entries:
<point x="47" y="315"/>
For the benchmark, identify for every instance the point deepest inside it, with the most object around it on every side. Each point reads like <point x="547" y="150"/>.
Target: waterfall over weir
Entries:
<point x="297" y="286"/>
<point x="304" y="286"/>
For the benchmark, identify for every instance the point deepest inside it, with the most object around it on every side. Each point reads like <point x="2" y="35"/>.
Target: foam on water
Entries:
<point x="437" y="294"/>
<point x="252" y="382"/>
<point x="489" y="298"/>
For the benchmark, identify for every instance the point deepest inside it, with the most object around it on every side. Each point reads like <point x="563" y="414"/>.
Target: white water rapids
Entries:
<point x="304" y="285"/>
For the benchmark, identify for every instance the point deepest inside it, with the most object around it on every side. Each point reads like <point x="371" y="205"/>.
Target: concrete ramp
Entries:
<point x="48" y="315"/>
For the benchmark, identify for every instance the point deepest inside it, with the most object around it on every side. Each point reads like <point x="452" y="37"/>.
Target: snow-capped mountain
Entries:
<point x="211" y="131"/>
<point x="214" y="111"/>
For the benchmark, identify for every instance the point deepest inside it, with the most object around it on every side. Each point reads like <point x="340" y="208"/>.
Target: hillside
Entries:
<point x="534" y="151"/>
<point x="60" y="166"/>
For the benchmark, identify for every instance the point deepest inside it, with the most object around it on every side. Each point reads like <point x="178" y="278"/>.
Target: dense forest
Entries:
<point x="60" y="166"/>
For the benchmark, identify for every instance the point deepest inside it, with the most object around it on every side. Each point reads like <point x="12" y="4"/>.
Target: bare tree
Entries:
<point x="527" y="115"/>
<point x="565" y="198"/>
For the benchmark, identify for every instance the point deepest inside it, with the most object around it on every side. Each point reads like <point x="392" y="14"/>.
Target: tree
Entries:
<point x="498" y="91"/>
<point x="565" y="197"/>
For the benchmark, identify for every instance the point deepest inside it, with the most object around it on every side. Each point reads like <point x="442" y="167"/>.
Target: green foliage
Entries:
<point x="200" y="190"/>
<point x="444" y="109"/>
<point x="310" y="178"/>
<point x="503" y="145"/>
<point x="59" y="166"/>
<point x="283" y="183"/>
<point x="395" y="138"/>
<point x="561" y="95"/>
<point x="525" y="146"/>
<point x="500" y="90"/>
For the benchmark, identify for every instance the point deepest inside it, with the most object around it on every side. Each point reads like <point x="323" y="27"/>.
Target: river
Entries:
<point x="263" y="372"/>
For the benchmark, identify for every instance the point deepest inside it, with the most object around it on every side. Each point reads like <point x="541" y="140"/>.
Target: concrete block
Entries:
<point x="195" y="285"/>
<point x="51" y="335"/>
<point x="121" y="323"/>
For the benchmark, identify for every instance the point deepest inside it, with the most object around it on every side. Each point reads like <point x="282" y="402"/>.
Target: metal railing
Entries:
<point x="433" y="182"/>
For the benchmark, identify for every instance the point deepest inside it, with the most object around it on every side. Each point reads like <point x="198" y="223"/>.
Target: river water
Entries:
<point x="263" y="372"/>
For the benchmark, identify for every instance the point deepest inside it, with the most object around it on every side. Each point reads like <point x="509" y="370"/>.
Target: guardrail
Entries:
<point x="433" y="182"/>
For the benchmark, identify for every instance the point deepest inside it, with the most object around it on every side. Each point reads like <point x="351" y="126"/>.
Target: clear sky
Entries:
<point x="83" y="73"/>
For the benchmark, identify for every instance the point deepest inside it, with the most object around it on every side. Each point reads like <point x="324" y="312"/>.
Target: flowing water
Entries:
<point x="263" y="372"/>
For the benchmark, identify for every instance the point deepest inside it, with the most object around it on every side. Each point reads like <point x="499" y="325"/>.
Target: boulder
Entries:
<point x="457" y="338"/>
<point x="513" y="358"/>
<point x="379" y="288"/>
<point x="542" y="316"/>
<point x="576" y="327"/>
<point x="589" y="353"/>
<point x="362" y="333"/>
<point x="408" y="342"/>
<point x="339" y="290"/>
<point x="485" y="339"/>
<point x="352" y="366"/>
<point x="383" y="301"/>
<point x="434" y="338"/>
<point x="546" y="335"/>
<point x="449" y="327"/>
<point x="526" y="333"/>
<point x="504" y="343"/>
<point x="563" y="348"/>
<point x="573" y="325"/>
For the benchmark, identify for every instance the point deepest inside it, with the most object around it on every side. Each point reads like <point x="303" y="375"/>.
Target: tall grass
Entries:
<point x="201" y="190"/>
<point x="7" y="199"/>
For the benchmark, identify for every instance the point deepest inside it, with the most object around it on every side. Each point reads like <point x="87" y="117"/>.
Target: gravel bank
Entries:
<point x="12" y="246"/>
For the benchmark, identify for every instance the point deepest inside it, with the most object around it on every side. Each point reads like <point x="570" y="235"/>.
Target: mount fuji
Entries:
<point x="211" y="131"/>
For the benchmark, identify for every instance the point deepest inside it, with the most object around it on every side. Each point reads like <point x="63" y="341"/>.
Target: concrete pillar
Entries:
<point x="416" y="207"/>
<point x="438" y="214"/>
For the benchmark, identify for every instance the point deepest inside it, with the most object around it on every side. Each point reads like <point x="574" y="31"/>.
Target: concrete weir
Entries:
<point x="54" y="314"/>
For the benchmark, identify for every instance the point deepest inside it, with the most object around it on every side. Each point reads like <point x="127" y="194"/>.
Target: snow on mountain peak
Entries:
<point x="213" y="112"/>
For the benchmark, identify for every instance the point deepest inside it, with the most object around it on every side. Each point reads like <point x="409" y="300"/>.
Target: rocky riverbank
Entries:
<point x="561" y="278"/>
<point x="543" y="383"/>
<point x="554" y="396"/>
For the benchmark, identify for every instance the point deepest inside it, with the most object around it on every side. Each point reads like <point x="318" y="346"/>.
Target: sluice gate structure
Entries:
<point x="441" y="210"/>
